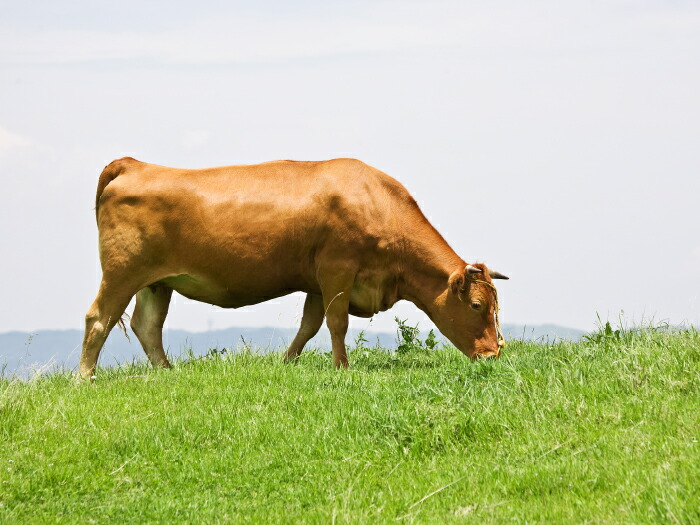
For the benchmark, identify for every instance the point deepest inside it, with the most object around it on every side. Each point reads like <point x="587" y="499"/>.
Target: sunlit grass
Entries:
<point x="605" y="430"/>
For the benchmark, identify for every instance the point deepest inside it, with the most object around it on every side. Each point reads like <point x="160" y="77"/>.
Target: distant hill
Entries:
<point x="21" y="353"/>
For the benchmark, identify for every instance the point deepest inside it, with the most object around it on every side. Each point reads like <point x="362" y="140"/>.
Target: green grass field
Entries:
<point x="602" y="431"/>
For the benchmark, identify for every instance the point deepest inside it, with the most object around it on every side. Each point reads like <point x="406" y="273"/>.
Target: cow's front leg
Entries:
<point x="337" y="321"/>
<point x="336" y="280"/>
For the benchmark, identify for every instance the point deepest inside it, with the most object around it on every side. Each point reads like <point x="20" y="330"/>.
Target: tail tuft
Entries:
<point x="122" y="325"/>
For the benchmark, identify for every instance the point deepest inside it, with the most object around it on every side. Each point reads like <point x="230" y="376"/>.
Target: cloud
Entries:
<point x="379" y="27"/>
<point x="244" y="38"/>
<point x="10" y="142"/>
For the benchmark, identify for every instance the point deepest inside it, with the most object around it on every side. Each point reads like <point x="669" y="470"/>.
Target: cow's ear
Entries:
<point x="457" y="281"/>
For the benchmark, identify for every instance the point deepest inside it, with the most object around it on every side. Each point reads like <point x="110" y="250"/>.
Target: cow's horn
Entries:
<point x="496" y="275"/>
<point x="473" y="269"/>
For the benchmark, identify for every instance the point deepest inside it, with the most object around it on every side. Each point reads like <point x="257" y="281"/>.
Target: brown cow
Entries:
<point x="348" y="235"/>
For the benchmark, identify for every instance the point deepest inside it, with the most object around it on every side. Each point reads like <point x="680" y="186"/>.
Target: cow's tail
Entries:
<point x="122" y="325"/>
<point x="111" y="172"/>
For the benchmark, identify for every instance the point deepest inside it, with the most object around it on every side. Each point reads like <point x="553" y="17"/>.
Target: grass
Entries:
<point x="602" y="431"/>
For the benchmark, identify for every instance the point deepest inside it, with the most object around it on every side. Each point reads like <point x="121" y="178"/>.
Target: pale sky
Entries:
<point x="558" y="142"/>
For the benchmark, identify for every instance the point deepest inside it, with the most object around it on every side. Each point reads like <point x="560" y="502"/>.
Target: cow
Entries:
<point x="348" y="235"/>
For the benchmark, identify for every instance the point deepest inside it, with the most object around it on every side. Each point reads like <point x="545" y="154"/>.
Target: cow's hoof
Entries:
<point x="83" y="379"/>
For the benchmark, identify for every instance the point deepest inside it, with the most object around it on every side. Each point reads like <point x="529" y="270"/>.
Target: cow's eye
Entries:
<point x="476" y="305"/>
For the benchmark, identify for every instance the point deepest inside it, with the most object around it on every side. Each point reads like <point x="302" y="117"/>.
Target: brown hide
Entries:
<point x="348" y="235"/>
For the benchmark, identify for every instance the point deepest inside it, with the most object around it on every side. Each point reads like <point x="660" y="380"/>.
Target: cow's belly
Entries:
<point x="216" y="293"/>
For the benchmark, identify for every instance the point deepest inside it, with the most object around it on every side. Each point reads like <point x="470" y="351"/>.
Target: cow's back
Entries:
<point x="272" y="193"/>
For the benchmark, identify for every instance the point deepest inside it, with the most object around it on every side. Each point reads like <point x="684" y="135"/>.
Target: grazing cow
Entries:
<point x="348" y="235"/>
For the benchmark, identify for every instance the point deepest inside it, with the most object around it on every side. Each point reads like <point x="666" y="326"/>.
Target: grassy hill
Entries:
<point x="605" y="430"/>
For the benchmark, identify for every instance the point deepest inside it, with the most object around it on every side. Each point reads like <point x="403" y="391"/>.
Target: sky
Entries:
<point x="558" y="142"/>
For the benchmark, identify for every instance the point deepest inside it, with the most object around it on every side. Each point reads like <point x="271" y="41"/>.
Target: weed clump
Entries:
<point x="408" y="339"/>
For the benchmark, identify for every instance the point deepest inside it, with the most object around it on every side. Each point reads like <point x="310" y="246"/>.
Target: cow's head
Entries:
<point x="467" y="314"/>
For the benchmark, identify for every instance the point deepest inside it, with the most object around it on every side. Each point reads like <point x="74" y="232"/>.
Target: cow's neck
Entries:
<point x="426" y="265"/>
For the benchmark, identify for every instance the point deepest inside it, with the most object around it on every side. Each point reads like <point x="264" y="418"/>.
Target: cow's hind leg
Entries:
<point x="311" y="322"/>
<point x="147" y="322"/>
<point x="104" y="313"/>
